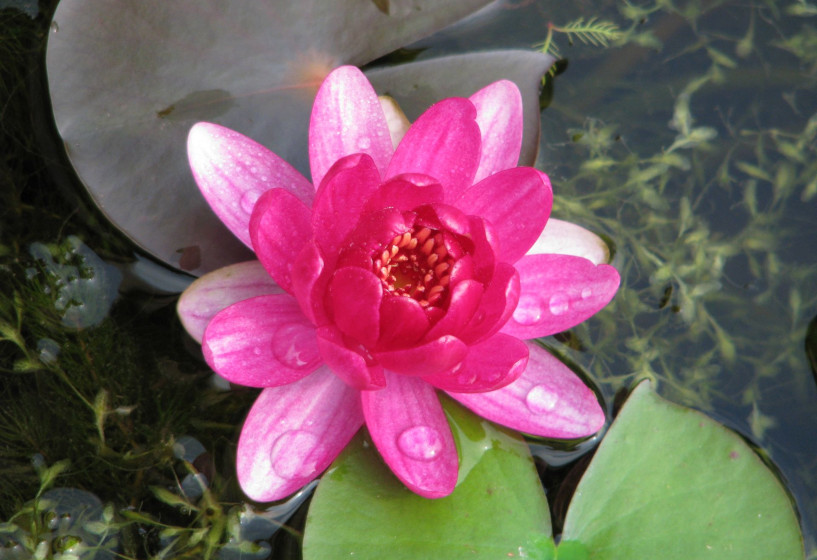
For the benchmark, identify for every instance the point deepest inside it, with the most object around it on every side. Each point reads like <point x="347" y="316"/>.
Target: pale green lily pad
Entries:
<point x="498" y="510"/>
<point x="670" y="483"/>
<point x="128" y="79"/>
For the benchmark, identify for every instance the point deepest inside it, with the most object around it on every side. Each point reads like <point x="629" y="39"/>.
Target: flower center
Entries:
<point x="416" y="264"/>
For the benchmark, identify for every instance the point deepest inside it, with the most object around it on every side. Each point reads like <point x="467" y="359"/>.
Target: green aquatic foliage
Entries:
<point x="498" y="509"/>
<point x="666" y="482"/>
<point x="593" y="31"/>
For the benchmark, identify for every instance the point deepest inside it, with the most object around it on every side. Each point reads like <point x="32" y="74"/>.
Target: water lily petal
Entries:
<point x="444" y="143"/>
<point x="373" y="233"/>
<point x="280" y="226"/>
<point x="465" y="298"/>
<point x="516" y="202"/>
<point x="347" y="119"/>
<point x="486" y="248"/>
<point x="406" y="192"/>
<point x="403" y="322"/>
<point x="559" y="292"/>
<point x="219" y="289"/>
<point x="346" y="187"/>
<point x="356" y="294"/>
<point x="425" y="359"/>
<point x="396" y="119"/>
<point x="547" y="400"/>
<point x="409" y="428"/>
<point x="232" y="171"/>
<point x="264" y="341"/>
<point x="489" y="365"/>
<point x="499" y="116"/>
<point x="309" y="283"/>
<point x="292" y="433"/>
<point x="566" y="238"/>
<point x="356" y="369"/>
<point x="444" y="217"/>
<point x="498" y="303"/>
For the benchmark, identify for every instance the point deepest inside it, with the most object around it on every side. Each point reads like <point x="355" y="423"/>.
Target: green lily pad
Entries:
<point x="670" y="483"/>
<point x="128" y="79"/>
<point x="498" y="509"/>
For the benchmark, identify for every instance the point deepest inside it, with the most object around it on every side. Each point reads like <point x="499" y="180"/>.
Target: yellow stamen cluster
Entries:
<point x="416" y="264"/>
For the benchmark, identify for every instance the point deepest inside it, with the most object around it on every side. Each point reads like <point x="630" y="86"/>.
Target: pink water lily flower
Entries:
<point x="397" y="273"/>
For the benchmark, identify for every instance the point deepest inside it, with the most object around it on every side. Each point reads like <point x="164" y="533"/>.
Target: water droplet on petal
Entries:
<point x="288" y="453"/>
<point x="540" y="399"/>
<point x="364" y="143"/>
<point x="291" y="347"/>
<point x="558" y="304"/>
<point x="422" y="443"/>
<point x="256" y="351"/>
<point x="248" y="200"/>
<point x="586" y="293"/>
<point x="528" y="311"/>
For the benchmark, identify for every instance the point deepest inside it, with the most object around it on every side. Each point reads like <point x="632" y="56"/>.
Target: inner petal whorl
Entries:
<point x="416" y="264"/>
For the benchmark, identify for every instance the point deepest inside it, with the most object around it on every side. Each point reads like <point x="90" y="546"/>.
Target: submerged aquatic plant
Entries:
<point x="403" y="270"/>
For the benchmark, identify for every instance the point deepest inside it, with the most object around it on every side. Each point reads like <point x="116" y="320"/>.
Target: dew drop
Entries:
<point x="256" y="351"/>
<point x="586" y="293"/>
<point x="248" y="200"/>
<point x="540" y="399"/>
<point x="48" y="350"/>
<point x="558" y="304"/>
<point x="422" y="443"/>
<point x="528" y="311"/>
<point x="291" y="346"/>
<point x="288" y="452"/>
<point x="364" y="143"/>
<point x="466" y="378"/>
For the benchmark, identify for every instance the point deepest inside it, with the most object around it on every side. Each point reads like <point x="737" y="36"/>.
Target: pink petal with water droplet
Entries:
<point x="443" y="143"/>
<point x="233" y="171"/>
<point x="355" y="366"/>
<point x="293" y="433"/>
<point x="340" y="198"/>
<point x="409" y="428"/>
<point x="264" y="341"/>
<point x="565" y="238"/>
<point x="403" y="322"/>
<point x="547" y="400"/>
<point x="516" y="202"/>
<point x="497" y="304"/>
<point x="347" y="119"/>
<point x="559" y="292"/>
<point x="355" y="296"/>
<point x="489" y="365"/>
<point x="219" y="289"/>
<point x="499" y="116"/>
<point x="280" y="226"/>
<point x="425" y="359"/>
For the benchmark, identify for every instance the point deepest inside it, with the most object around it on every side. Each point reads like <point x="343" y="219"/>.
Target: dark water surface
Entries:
<point x="691" y="144"/>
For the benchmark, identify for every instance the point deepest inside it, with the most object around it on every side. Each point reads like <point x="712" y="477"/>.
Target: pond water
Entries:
<point x="690" y="143"/>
